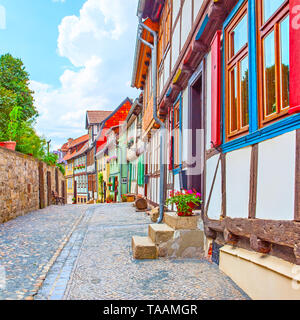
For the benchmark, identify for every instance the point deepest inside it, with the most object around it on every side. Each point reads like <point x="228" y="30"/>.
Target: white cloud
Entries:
<point x="100" y="43"/>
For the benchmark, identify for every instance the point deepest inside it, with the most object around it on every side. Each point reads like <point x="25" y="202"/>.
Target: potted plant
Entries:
<point x="109" y="199"/>
<point x="14" y="125"/>
<point x="186" y="201"/>
<point x="124" y="198"/>
<point x="73" y="200"/>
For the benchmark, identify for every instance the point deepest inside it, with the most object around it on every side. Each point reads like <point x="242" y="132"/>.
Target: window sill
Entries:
<point x="273" y="130"/>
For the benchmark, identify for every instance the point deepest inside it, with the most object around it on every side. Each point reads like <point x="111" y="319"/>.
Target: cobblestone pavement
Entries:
<point x="102" y="267"/>
<point x="28" y="243"/>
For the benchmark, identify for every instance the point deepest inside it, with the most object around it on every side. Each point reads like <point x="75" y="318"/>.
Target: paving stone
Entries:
<point x="28" y="243"/>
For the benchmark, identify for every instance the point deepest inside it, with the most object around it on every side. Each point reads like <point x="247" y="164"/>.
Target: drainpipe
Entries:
<point x="157" y="120"/>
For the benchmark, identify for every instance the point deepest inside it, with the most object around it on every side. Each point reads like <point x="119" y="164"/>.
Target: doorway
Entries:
<point x="196" y="148"/>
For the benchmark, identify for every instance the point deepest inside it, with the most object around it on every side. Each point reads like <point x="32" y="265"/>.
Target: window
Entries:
<point x="70" y="183"/>
<point x="164" y="31"/>
<point x="237" y="74"/>
<point x="273" y="62"/>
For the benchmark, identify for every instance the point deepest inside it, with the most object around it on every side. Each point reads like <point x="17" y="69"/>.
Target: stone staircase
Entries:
<point x="177" y="237"/>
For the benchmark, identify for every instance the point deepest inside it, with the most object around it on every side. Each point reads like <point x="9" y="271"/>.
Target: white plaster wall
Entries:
<point x="208" y="101"/>
<point x="197" y="7"/>
<point x="276" y="178"/>
<point x="186" y="25"/>
<point x="185" y="108"/>
<point x="141" y="190"/>
<point x="176" y="7"/>
<point x="238" y="183"/>
<point x="167" y="67"/>
<point x="215" y="206"/>
<point x="176" y="182"/>
<point x="175" y="44"/>
<point x="133" y="187"/>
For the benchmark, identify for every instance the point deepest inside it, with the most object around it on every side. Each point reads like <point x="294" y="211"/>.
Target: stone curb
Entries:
<point x="48" y="266"/>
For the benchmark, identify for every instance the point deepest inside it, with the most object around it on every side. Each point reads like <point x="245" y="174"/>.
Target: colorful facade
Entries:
<point x="73" y="158"/>
<point x="111" y="148"/>
<point x="227" y="77"/>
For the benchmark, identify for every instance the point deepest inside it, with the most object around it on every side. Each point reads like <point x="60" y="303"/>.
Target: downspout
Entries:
<point x="157" y="120"/>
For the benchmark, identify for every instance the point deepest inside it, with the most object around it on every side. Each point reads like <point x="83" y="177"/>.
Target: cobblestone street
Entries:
<point x="105" y="269"/>
<point x="28" y="243"/>
<point x="91" y="250"/>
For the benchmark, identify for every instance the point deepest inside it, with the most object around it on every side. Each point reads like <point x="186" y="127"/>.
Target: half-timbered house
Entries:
<point x="227" y="74"/>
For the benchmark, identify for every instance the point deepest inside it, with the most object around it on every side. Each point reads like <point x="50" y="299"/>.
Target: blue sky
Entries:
<point x="79" y="54"/>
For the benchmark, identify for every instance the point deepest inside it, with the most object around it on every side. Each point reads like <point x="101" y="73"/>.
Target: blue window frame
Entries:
<point x="177" y="167"/>
<point x="255" y="133"/>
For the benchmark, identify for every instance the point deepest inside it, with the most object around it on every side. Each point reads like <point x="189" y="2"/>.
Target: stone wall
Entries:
<point x="24" y="185"/>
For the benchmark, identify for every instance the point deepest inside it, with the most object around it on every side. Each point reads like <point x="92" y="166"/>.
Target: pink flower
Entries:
<point x="190" y="192"/>
<point x="198" y="195"/>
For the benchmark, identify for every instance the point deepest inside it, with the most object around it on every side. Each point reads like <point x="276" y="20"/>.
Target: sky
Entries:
<point x="79" y="54"/>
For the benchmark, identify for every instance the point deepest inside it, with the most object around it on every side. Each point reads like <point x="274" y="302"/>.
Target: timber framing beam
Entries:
<point x="261" y="233"/>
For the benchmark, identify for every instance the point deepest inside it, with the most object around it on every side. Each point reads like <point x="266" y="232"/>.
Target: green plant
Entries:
<point x="73" y="199"/>
<point x="110" y="198"/>
<point x="15" y="123"/>
<point x="61" y="168"/>
<point x="185" y="201"/>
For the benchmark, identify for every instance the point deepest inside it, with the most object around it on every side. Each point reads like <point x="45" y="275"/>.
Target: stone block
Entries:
<point x="179" y="223"/>
<point x="143" y="248"/>
<point x="154" y="214"/>
<point x="160" y="233"/>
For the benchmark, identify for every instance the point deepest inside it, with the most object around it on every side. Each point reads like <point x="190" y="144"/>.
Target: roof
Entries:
<point x="114" y="119"/>
<point x="74" y="142"/>
<point x="79" y="140"/>
<point x="75" y="154"/>
<point x="96" y="116"/>
<point x="150" y="9"/>
<point x="142" y="55"/>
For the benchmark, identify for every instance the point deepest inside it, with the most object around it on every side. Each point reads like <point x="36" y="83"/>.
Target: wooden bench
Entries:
<point x="57" y="199"/>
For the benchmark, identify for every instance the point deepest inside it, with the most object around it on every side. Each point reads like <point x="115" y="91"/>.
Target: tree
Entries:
<point x="14" y="91"/>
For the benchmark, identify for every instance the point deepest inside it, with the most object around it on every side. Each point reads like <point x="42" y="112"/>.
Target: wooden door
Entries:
<point x="48" y="188"/>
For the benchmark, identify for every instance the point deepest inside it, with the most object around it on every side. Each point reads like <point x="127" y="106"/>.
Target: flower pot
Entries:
<point x="187" y="213"/>
<point x="11" y="145"/>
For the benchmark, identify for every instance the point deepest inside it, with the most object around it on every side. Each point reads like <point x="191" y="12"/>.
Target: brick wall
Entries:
<point x="23" y="184"/>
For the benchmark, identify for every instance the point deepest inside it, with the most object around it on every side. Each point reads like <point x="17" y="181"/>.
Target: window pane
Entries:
<point x="285" y="63"/>
<point x="270" y="7"/>
<point x="239" y="36"/>
<point x="269" y="69"/>
<point x="233" y="100"/>
<point x="244" y="92"/>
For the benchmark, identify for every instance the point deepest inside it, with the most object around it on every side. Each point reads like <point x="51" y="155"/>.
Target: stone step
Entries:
<point x="181" y="223"/>
<point x="160" y="233"/>
<point x="143" y="248"/>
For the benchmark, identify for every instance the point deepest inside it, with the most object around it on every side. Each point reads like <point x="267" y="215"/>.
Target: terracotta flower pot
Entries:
<point x="187" y="213"/>
<point x="11" y="145"/>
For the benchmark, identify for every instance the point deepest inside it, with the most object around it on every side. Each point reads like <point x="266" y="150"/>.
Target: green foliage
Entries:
<point x="51" y="159"/>
<point x="61" y="168"/>
<point x="17" y="111"/>
<point x="100" y="180"/>
<point x="184" y="199"/>
<point x="15" y="123"/>
<point x="14" y="90"/>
